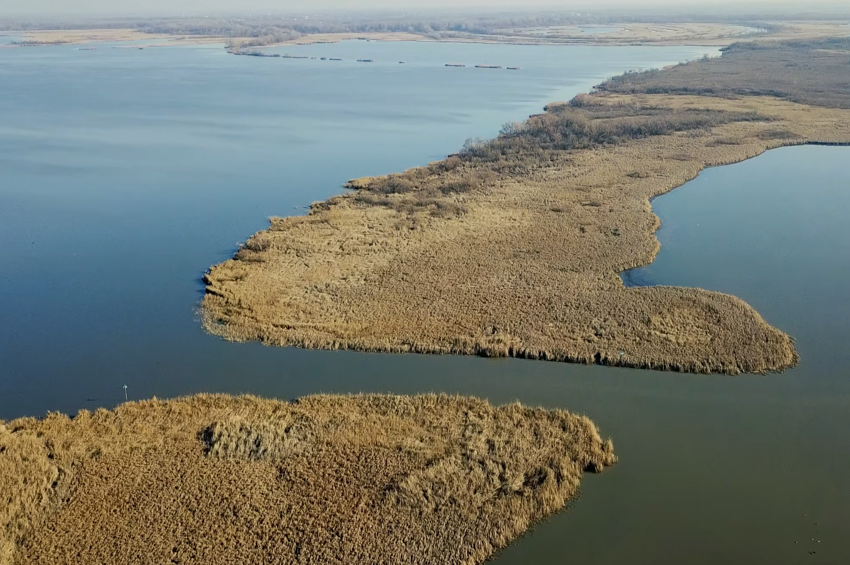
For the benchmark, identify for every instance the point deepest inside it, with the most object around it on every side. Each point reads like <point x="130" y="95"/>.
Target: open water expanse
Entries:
<point x="125" y="173"/>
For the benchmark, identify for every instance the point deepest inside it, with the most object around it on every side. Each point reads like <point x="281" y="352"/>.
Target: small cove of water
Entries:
<point x="775" y="450"/>
<point x="770" y="231"/>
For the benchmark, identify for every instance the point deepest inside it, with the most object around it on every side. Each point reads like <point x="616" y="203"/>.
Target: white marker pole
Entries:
<point x="125" y="393"/>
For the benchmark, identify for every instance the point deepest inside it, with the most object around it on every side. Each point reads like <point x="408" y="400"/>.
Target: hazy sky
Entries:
<point x="243" y="6"/>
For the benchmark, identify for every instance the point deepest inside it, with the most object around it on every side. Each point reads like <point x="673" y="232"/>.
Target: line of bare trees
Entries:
<point x="421" y="23"/>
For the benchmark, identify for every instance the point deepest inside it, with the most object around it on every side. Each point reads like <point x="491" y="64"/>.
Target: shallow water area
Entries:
<point x="9" y="39"/>
<point x="128" y="172"/>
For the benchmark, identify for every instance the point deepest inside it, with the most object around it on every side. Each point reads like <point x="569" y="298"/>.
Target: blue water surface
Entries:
<point x="126" y="173"/>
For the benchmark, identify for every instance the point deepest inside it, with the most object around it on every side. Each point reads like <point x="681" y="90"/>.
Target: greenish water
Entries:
<point x="124" y="174"/>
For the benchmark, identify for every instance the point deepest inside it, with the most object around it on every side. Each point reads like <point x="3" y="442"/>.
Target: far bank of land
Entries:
<point x="623" y="33"/>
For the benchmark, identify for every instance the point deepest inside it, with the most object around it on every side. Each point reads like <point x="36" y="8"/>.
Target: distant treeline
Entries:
<point x="287" y="27"/>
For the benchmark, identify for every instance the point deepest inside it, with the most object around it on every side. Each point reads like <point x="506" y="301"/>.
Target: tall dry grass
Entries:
<point x="359" y="479"/>
<point x="513" y="246"/>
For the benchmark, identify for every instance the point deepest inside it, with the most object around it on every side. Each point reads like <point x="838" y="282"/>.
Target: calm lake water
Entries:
<point x="124" y="174"/>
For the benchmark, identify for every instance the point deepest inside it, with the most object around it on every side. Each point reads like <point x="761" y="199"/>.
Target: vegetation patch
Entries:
<point x="513" y="246"/>
<point x="813" y="72"/>
<point x="325" y="479"/>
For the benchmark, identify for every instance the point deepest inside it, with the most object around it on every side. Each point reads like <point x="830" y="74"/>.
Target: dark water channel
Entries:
<point x="124" y="174"/>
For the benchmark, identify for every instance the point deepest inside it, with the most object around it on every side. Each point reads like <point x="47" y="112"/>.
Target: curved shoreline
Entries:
<point x="514" y="247"/>
<point x="215" y="479"/>
<point x="659" y="223"/>
<point x="624" y="274"/>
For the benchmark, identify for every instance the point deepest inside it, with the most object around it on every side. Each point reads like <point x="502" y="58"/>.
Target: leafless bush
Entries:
<point x="393" y="184"/>
<point x="253" y="249"/>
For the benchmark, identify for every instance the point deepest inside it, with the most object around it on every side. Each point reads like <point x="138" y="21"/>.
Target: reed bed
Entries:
<point x="513" y="246"/>
<point x="808" y="71"/>
<point x="324" y="479"/>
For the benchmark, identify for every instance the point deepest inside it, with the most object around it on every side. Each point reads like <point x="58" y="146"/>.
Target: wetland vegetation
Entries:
<point x="510" y="247"/>
<point x="644" y="26"/>
<point x="513" y="246"/>
<point x="356" y="479"/>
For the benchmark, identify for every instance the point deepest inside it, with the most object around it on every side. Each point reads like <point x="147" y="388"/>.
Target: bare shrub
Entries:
<point x="451" y="163"/>
<point x="443" y="209"/>
<point x="393" y="184"/>
<point x="258" y="244"/>
<point x="582" y="125"/>
<point x="253" y="249"/>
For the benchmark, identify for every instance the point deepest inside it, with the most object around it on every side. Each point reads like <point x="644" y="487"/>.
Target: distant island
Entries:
<point x="325" y="479"/>
<point x="636" y="28"/>
<point x="513" y="247"/>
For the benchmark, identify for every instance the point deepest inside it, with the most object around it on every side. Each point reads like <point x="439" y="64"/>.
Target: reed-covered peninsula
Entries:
<point x="513" y="246"/>
<point x="325" y="479"/>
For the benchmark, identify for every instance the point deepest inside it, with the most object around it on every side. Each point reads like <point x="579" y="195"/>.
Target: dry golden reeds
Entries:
<point x="325" y="479"/>
<point x="514" y="246"/>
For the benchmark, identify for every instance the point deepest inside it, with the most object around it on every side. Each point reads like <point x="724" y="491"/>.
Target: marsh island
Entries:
<point x="325" y="479"/>
<point x="513" y="246"/>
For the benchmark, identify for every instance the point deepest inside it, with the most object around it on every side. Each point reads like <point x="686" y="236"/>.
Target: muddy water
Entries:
<point x="125" y="173"/>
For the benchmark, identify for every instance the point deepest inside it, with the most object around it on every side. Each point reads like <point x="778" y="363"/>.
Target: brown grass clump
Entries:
<point x="513" y="247"/>
<point x="358" y="479"/>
